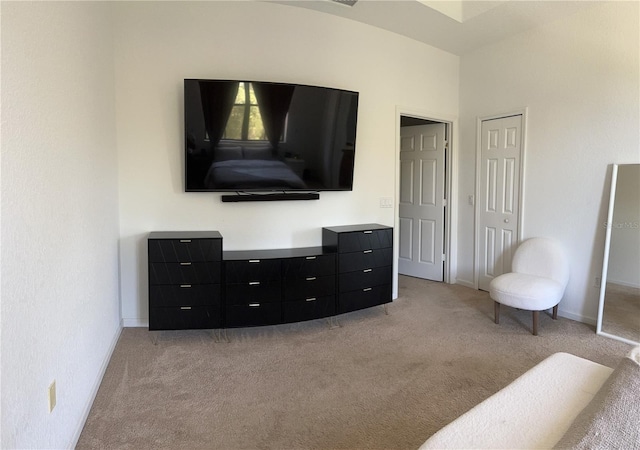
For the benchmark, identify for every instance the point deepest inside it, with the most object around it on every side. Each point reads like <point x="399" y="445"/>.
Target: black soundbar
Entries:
<point x="248" y="197"/>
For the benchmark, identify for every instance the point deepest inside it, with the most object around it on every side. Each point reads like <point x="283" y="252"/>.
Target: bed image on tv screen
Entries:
<point x="248" y="174"/>
<point x="254" y="136"/>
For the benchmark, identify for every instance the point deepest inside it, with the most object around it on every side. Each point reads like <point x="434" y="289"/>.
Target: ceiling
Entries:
<point x="455" y="26"/>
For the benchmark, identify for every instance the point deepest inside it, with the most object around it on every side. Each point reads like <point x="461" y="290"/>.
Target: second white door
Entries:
<point x="421" y="209"/>
<point x="499" y="196"/>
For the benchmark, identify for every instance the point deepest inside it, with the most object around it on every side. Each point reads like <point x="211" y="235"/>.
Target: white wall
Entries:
<point x="158" y="44"/>
<point x="579" y="78"/>
<point x="60" y="308"/>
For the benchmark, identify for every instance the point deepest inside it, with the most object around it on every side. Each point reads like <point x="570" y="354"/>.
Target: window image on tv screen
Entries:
<point x="259" y="136"/>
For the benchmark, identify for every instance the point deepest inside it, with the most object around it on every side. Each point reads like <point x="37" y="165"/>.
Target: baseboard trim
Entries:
<point x="576" y="317"/>
<point x="465" y="283"/>
<point x="135" y="323"/>
<point x="96" y="386"/>
<point x="623" y="283"/>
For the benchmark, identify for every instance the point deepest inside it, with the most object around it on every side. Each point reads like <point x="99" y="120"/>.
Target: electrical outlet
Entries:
<point x="597" y="282"/>
<point x="52" y="396"/>
<point x="471" y="200"/>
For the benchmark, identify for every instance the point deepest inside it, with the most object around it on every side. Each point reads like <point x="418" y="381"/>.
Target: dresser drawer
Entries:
<point x="365" y="240"/>
<point x="312" y="308"/>
<point x="365" y="259"/>
<point x="309" y="266"/>
<point x="184" y="295"/>
<point x="184" y="273"/>
<point x="185" y="250"/>
<point x="256" y="314"/>
<point x="361" y="279"/>
<point x="364" y="298"/>
<point x="252" y="292"/>
<point x="184" y="318"/>
<point x="302" y="288"/>
<point x="252" y="270"/>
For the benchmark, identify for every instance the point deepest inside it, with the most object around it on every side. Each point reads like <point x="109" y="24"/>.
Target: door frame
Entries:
<point x="523" y="152"/>
<point x="450" y="188"/>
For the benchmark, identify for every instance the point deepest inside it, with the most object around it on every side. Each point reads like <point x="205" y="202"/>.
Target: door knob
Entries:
<point x="506" y="220"/>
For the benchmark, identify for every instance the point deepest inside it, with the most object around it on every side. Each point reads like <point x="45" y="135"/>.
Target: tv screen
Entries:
<point x="260" y="136"/>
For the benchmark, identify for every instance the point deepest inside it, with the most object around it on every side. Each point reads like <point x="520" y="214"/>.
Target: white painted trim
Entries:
<point x="524" y="112"/>
<point x="577" y="317"/>
<point x="622" y="283"/>
<point x="617" y="338"/>
<point x="135" y="323"/>
<point x="476" y="211"/>
<point x="607" y="245"/>
<point x="451" y="189"/>
<point x="605" y="260"/>
<point x="96" y="386"/>
<point x="465" y="283"/>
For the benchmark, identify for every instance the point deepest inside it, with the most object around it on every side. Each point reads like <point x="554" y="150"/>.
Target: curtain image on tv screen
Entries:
<point x="258" y="136"/>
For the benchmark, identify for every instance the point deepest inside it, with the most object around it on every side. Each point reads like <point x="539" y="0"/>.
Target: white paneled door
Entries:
<point x="499" y="196"/>
<point x="421" y="210"/>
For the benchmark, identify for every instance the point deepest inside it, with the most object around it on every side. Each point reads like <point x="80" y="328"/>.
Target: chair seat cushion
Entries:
<point x="524" y="291"/>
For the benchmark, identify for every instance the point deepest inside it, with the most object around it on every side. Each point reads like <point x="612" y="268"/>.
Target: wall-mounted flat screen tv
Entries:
<point x="260" y="136"/>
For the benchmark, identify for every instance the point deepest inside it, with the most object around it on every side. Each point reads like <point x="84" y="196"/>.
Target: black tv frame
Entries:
<point x="271" y="193"/>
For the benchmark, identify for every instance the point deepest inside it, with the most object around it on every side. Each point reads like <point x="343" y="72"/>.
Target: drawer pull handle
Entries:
<point x="367" y="270"/>
<point x="368" y="251"/>
<point x="312" y="299"/>
<point x="254" y="283"/>
<point x="311" y="278"/>
<point x="368" y="232"/>
<point x="311" y="257"/>
<point x="185" y="264"/>
<point x="254" y="305"/>
<point x="186" y="241"/>
<point x="366" y="289"/>
<point x="185" y="286"/>
<point x="185" y="307"/>
<point x="254" y="261"/>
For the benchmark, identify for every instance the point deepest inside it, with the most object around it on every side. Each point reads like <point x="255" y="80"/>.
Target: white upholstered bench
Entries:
<point x="534" y="411"/>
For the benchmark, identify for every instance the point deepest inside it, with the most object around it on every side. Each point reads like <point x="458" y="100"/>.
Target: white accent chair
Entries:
<point x="540" y="272"/>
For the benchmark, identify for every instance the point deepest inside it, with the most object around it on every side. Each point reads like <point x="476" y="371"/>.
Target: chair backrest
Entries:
<point x="543" y="257"/>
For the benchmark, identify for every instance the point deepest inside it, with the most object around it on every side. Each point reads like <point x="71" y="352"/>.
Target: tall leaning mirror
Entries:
<point x="619" y="308"/>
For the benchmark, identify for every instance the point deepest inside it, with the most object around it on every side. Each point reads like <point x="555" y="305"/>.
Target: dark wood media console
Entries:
<point x="193" y="284"/>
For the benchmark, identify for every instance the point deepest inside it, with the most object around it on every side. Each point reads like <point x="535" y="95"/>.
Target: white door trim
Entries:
<point x="422" y="203"/>
<point x="523" y="142"/>
<point x="451" y="189"/>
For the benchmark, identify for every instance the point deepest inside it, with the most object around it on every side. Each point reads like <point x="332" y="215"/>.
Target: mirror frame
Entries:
<point x="605" y="262"/>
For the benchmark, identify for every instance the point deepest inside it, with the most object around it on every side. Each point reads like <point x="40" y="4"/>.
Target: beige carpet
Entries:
<point x="621" y="315"/>
<point x="377" y="382"/>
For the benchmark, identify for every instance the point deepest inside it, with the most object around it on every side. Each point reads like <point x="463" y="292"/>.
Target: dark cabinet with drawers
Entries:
<point x="309" y="286"/>
<point x="267" y="287"/>
<point x="194" y="284"/>
<point x="253" y="291"/>
<point x="185" y="272"/>
<point x="365" y="264"/>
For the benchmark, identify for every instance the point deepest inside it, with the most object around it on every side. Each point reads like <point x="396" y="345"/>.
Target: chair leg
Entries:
<point x="496" y="312"/>
<point x="536" y="314"/>
<point x="555" y="312"/>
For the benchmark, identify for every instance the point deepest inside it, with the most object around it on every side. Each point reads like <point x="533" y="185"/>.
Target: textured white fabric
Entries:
<point x="526" y="291"/>
<point x="533" y="412"/>
<point x="543" y="257"/>
<point x="540" y="272"/>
